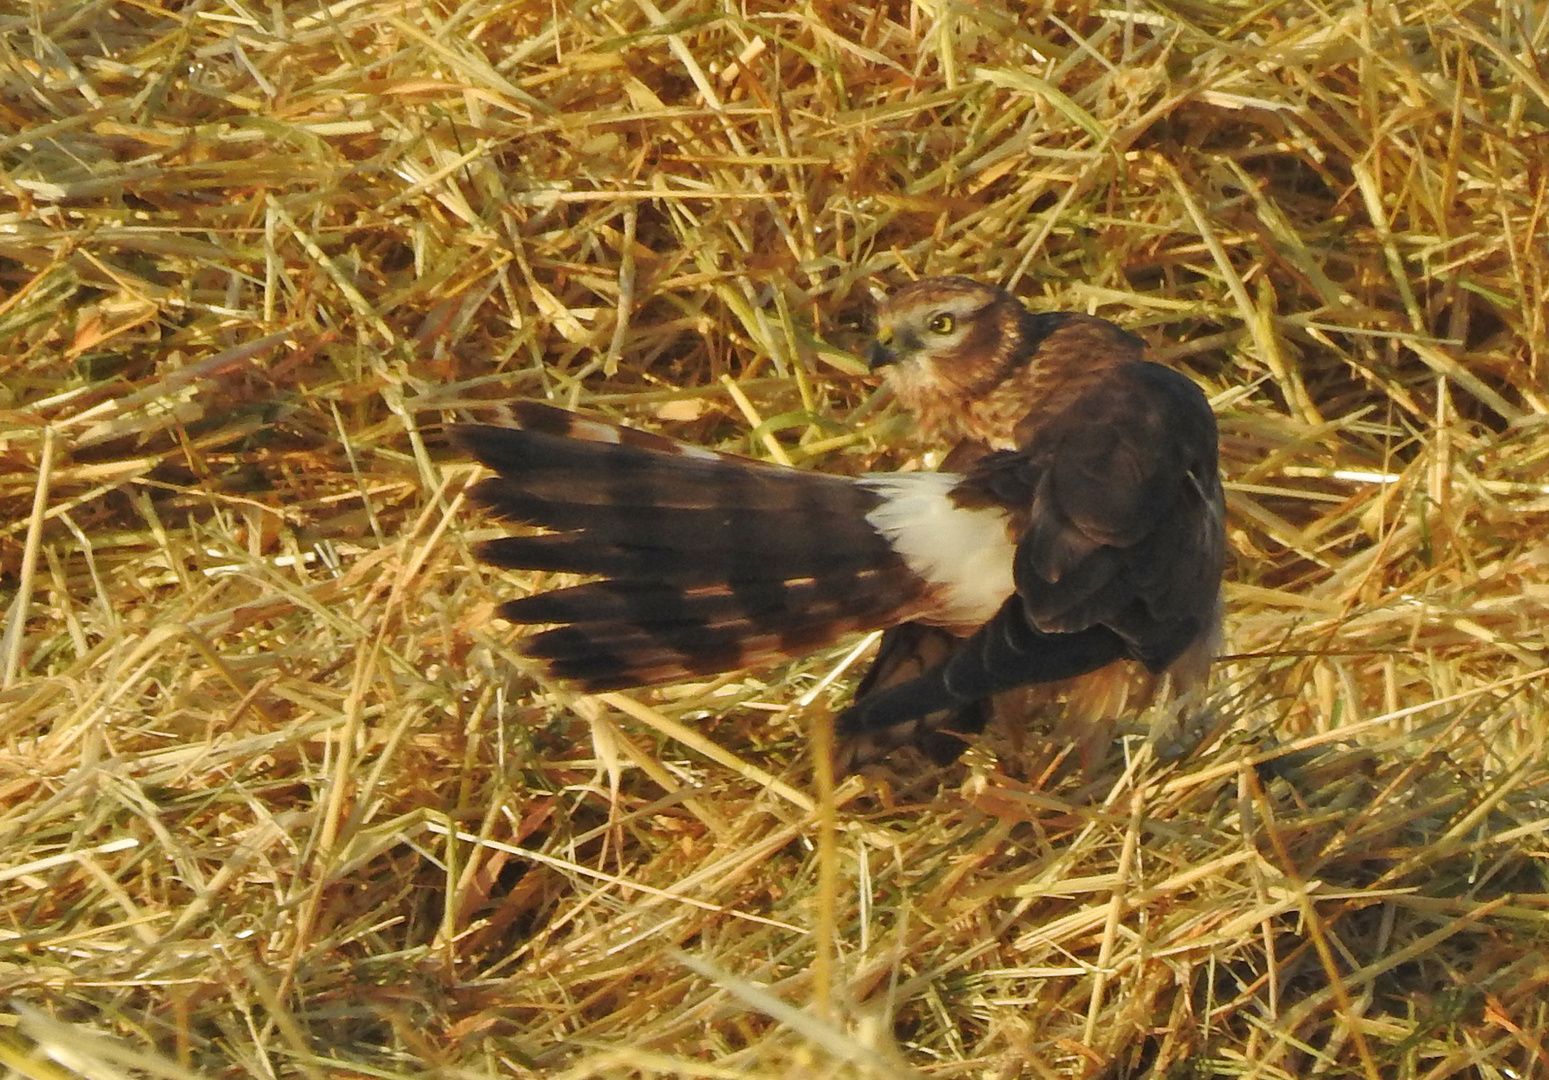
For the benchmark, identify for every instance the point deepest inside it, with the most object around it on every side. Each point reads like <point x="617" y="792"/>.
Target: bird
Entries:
<point x="1073" y="535"/>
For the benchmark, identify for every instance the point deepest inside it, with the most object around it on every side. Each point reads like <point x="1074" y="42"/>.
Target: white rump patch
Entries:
<point x="968" y="553"/>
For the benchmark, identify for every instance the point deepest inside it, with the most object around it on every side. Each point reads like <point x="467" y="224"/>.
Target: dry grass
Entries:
<point x="278" y="799"/>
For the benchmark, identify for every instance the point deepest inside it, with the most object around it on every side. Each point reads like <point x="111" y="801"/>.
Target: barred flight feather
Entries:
<point x="709" y="562"/>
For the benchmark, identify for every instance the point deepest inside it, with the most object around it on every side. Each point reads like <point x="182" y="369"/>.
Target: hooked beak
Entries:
<point x="881" y="353"/>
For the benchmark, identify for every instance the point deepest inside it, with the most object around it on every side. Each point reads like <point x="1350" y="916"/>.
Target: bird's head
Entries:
<point x="946" y="337"/>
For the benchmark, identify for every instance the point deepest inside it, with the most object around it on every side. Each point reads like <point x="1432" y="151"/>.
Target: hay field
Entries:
<point x="277" y="797"/>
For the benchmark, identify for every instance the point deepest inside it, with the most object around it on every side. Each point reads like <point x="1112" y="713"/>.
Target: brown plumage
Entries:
<point x="1080" y="525"/>
<point x="710" y="562"/>
<point x="1106" y="466"/>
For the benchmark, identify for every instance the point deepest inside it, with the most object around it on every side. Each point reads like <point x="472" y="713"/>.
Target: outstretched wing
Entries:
<point x="708" y="562"/>
<point x="1118" y="503"/>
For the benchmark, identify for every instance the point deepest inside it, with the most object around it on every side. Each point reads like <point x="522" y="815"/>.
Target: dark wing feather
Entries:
<point x="1125" y="523"/>
<point x="1005" y="653"/>
<point x="907" y="652"/>
<point x="709" y="562"/>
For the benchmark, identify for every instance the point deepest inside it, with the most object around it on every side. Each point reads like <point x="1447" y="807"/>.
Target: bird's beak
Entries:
<point x="881" y="353"/>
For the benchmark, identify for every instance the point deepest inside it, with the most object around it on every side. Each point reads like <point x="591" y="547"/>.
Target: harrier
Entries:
<point x="1076" y="524"/>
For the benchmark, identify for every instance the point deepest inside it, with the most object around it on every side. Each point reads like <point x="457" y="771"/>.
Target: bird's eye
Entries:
<point x="941" y="324"/>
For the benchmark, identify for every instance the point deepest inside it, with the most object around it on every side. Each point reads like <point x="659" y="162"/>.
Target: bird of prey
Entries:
<point x="1076" y="524"/>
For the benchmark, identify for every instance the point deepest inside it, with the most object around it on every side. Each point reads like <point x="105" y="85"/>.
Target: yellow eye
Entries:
<point x="941" y="324"/>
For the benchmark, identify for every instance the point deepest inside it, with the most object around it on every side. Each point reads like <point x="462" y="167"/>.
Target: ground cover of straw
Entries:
<point x="279" y="798"/>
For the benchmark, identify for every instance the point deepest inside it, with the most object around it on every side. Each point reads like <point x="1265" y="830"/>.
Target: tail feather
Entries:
<point x="825" y="622"/>
<point x="542" y="467"/>
<point x="677" y="528"/>
<point x="760" y="558"/>
<point x="643" y="603"/>
<point x="622" y="660"/>
<point x="545" y="419"/>
<point x="614" y="657"/>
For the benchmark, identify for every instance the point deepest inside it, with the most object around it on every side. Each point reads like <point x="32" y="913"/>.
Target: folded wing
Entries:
<point x="1117" y="501"/>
